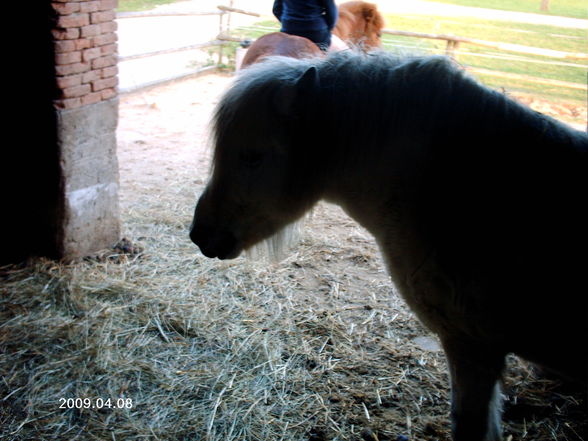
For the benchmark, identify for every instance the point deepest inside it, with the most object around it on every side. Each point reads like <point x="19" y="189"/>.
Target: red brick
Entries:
<point x="69" y="81"/>
<point x="90" y="6"/>
<point x="104" y="84"/>
<point x="73" y="21"/>
<point x="91" y="54"/>
<point x="83" y="43"/>
<point x="90" y="31"/>
<point x="66" y="8"/>
<point x="108" y="93"/>
<point x="70" y="69"/>
<point x="68" y="58"/>
<point x="103" y="62"/>
<point x="101" y="40"/>
<point x="109" y="49"/>
<point x="92" y="75"/>
<point x="108" y="27"/>
<point x="91" y="98"/>
<point x="105" y="5"/>
<point x="64" y="46"/>
<point x="70" y="103"/>
<point x="77" y="91"/>
<point x="66" y="34"/>
<point x="111" y="71"/>
<point x="102" y="17"/>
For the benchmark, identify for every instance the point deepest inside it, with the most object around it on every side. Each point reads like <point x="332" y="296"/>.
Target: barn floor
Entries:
<point x="158" y="342"/>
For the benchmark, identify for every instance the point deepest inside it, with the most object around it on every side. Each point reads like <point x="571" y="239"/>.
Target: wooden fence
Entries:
<point x="145" y="14"/>
<point x="453" y="44"/>
<point x="224" y="24"/>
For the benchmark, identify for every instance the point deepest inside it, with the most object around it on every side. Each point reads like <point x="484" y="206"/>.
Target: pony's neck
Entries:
<point x="384" y="134"/>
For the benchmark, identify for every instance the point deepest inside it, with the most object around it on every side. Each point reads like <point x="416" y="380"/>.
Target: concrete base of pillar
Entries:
<point x="86" y="138"/>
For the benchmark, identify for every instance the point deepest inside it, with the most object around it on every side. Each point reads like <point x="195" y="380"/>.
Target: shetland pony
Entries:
<point x="476" y="202"/>
<point x="359" y="24"/>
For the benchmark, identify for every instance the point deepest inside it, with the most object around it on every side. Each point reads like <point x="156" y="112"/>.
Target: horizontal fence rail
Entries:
<point x="190" y="47"/>
<point x="453" y="41"/>
<point x="143" y="14"/>
<point x="221" y="13"/>
<point x="452" y="48"/>
<point x="239" y="11"/>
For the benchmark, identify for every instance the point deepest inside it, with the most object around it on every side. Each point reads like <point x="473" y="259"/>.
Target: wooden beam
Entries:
<point x="240" y="11"/>
<point x="144" y="14"/>
<point x="513" y="76"/>
<point x="492" y="44"/>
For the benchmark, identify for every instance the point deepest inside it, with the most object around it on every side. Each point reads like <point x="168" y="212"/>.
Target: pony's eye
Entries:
<point x="251" y="159"/>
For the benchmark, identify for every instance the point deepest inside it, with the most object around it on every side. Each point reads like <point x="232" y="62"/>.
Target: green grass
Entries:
<point x="564" y="8"/>
<point x="548" y="37"/>
<point x="140" y="5"/>
<point x="540" y="36"/>
<point x="543" y="36"/>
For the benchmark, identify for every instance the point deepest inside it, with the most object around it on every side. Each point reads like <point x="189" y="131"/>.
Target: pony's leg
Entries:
<point x="475" y="391"/>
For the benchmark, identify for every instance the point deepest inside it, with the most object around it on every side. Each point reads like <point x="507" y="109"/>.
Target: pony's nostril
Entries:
<point x="214" y="243"/>
<point x="226" y="245"/>
<point x="198" y="234"/>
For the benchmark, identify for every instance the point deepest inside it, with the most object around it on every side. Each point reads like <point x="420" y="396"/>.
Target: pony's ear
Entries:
<point x="288" y="99"/>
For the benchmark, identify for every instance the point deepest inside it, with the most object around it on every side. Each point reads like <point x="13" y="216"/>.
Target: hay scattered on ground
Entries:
<point x="316" y="347"/>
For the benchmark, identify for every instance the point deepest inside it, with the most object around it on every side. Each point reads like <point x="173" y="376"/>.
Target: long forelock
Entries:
<point x="248" y="96"/>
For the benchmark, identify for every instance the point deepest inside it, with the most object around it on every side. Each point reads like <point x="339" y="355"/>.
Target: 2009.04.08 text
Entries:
<point x="96" y="403"/>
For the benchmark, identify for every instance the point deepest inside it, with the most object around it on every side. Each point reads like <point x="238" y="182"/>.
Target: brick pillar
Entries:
<point x="86" y="106"/>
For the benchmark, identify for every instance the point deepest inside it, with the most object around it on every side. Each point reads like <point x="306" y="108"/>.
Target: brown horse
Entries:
<point x="280" y="43"/>
<point x="477" y="203"/>
<point x="360" y="24"/>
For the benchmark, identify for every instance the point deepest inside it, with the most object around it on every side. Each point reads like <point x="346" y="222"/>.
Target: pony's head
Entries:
<point x="258" y="184"/>
<point x="360" y="23"/>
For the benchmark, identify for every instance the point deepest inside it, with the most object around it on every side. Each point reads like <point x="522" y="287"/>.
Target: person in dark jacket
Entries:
<point x="313" y="19"/>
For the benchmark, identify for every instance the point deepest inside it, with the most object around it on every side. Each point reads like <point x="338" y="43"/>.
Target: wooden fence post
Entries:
<point x="451" y="48"/>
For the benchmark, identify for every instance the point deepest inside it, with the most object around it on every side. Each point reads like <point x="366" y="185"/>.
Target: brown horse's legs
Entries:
<point x="475" y="391"/>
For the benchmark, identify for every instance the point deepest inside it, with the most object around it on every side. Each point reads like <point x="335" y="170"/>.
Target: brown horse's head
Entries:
<point x="360" y="23"/>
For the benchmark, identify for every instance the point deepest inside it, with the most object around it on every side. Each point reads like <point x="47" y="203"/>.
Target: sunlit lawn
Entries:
<point x="565" y="8"/>
<point x="140" y="5"/>
<point x="540" y="36"/>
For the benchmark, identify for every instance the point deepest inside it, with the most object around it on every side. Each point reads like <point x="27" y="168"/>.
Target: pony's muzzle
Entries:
<point x="214" y="243"/>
